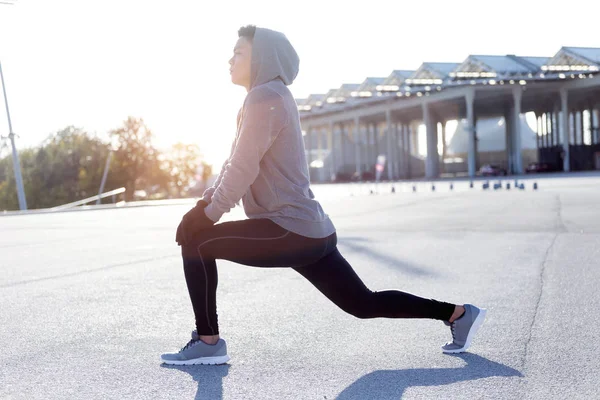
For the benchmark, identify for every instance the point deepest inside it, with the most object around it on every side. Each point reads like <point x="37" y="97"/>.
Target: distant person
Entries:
<point x="287" y="227"/>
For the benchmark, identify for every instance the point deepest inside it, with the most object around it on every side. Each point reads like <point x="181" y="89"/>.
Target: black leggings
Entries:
<point x="262" y="243"/>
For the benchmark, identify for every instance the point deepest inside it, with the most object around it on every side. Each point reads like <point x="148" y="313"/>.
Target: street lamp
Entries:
<point x="15" y="154"/>
<point x="11" y="136"/>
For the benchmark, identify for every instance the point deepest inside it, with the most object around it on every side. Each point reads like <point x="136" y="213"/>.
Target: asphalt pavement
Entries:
<point x="90" y="299"/>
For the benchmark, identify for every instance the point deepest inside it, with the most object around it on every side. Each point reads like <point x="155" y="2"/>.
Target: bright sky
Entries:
<point x="92" y="63"/>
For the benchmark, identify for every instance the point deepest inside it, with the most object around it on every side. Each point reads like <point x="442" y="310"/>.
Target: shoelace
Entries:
<point x="191" y="343"/>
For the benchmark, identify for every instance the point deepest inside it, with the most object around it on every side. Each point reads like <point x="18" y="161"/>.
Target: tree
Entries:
<point x="183" y="163"/>
<point x="66" y="167"/>
<point x="69" y="164"/>
<point x="136" y="163"/>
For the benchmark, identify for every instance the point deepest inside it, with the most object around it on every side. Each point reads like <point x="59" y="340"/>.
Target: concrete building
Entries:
<point x="489" y="95"/>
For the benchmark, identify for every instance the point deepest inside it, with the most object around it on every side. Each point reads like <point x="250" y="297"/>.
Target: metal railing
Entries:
<point x="88" y="200"/>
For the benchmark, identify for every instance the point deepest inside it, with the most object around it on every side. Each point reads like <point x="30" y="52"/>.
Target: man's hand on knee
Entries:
<point x="193" y="222"/>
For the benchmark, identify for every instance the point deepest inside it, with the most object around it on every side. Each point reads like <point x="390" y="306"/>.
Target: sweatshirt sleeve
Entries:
<point x="208" y="193"/>
<point x="264" y="117"/>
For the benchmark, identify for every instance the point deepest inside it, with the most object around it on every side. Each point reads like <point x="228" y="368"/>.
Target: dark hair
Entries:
<point x="247" y="31"/>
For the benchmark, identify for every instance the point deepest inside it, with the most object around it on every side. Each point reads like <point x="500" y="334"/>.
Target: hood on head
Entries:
<point x="272" y="57"/>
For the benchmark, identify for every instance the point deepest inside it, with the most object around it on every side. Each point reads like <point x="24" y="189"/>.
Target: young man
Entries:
<point x="287" y="227"/>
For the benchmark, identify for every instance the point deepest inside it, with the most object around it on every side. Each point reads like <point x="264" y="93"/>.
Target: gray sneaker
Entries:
<point x="198" y="352"/>
<point x="464" y="329"/>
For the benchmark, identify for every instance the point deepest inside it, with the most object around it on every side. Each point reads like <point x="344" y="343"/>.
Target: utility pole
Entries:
<point x="11" y="136"/>
<point x="15" y="154"/>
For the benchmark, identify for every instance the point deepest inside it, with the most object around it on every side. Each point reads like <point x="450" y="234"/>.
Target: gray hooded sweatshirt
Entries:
<point x="267" y="166"/>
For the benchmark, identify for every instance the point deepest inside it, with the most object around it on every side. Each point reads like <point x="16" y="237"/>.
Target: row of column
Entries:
<point x="360" y="143"/>
<point x="401" y="137"/>
<point x="548" y="122"/>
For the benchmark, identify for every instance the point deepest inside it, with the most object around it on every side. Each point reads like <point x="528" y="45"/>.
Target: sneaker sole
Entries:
<point x="199" y="361"/>
<point x="474" y="328"/>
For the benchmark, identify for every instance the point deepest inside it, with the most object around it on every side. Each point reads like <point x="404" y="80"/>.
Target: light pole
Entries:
<point x="11" y="136"/>
<point x="15" y="154"/>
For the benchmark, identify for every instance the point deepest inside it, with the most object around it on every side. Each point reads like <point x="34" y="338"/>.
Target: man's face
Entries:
<point x="240" y="63"/>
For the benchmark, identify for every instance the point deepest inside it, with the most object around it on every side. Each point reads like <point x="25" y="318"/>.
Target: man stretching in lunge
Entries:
<point x="287" y="227"/>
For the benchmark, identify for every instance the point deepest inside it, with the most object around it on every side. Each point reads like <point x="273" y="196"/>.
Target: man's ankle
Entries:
<point x="213" y="339"/>
<point x="459" y="311"/>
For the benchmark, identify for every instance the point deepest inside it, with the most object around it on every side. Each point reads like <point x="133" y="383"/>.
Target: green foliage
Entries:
<point x="69" y="164"/>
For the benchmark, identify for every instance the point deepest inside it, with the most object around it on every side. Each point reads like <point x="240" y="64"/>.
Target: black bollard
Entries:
<point x="433" y="188"/>
<point x="471" y="185"/>
<point x="393" y="189"/>
<point x="535" y="186"/>
<point x="451" y="186"/>
<point x="507" y="185"/>
<point x="414" y="188"/>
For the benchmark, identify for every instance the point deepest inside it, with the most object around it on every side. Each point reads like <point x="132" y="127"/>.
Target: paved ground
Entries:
<point x="89" y="300"/>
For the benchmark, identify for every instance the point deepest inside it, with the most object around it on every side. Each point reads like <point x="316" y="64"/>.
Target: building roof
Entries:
<point x="368" y="87"/>
<point x="395" y="80"/>
<point x="313" y="100"/>
<point x="431" y="73"/>
<point x="486" y="66"/>
<point x="342" y="93"/>
<point x="590" y="53"/>
<point x="537" y="61"/>
<point x="580" y="59"/>
<point x="478" y="69"/>
<point x="442" y="68"/>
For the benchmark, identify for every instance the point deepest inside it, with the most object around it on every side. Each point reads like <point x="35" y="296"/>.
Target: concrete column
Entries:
<point x="537" y="130"/>
<point x="554" y="127"/>
<point x="308" y="144"/>
<point x="591" y="122"/>
<point x="413" y="139"/>
<point x="549" y="130"/>
<point x="392" y="149"/>
<point x="582" y="123"/>
<point x="408" y="150"/>
<point x="472" y="153"/>
<point x="320" y="154"/>
<point x="397" y="150"/>
<point x="547" y="138"/>
<point x="564" y="128"/>
<point x="444" y="147"/>
<point x="342" y="145"/>
<point x="556" y="123"/>
<point x="332" y="149"/>
<point x="576" y="130"/>
<point x="432" y="162"/>
<point x="374" y="148"/>
<point x="388" y="135"/>
<point x="596" y="125"/>
<point x="582" y="131"/>
<point x="356" y="135"/>
<point x="517" y="157"/>
<point x="570" y="138"/>
<point x="402" y="157"/>
<point x="508" y="129"/>
<point x="372" y="154"/>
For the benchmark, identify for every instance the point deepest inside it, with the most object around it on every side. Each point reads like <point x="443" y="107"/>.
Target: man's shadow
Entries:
<point x="391" y="384"/>
<point x="387" y="384"/>
<point x="209" y="378"/>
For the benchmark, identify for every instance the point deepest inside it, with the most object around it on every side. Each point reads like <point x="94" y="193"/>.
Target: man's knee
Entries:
<point x="360" y="309"/>
<point x="196" y="246"/>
